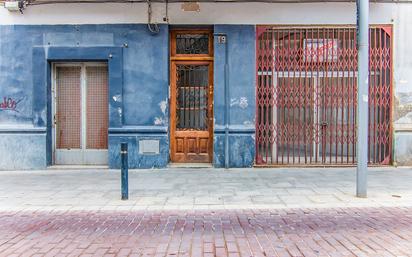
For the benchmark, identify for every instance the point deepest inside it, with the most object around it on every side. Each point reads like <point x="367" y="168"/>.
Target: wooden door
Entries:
<point x="191" y="98"/>
<point x="191" y="111"/>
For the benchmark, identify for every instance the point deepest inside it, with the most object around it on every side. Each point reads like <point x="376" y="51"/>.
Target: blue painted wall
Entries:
<point x="26" y="52"/>
<point x="145" y="87"/>
<point x="241" y="61"/>
<point x="22" y="150"/>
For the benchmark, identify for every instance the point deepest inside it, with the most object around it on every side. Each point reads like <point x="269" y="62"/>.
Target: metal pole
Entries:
<point x="362" y="7"/>
<point x="125" y="171"/>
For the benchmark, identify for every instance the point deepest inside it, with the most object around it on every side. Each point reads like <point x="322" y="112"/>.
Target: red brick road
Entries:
<point x="261" y="233"/>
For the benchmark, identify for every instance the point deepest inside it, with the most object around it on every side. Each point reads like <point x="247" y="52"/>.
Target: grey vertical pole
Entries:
<point x="124" y="171"/>
<point x="363" y="89"/>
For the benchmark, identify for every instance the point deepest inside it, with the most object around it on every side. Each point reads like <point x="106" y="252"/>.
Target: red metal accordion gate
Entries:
<point x="306" y="95"/>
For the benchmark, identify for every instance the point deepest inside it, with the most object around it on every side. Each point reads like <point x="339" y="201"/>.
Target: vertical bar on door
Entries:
<point x="293" y="92"/>
<point x="266" y="88"/>
<point x="274" y="97"/>
<point x="382" y="45"/>
<point x="319" y="132"/>
<point x="348" y="90"/>
<point x="288" y="98"/>
<point x="354" y="96"/>
<point x="306" y="96"/>
<point x="342" y="93"/>
<point x="373" y="93"/>
<point x="331" y="102"/>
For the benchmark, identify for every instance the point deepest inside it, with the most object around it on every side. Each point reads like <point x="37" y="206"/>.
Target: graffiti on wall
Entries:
<point x="9" y="104"/>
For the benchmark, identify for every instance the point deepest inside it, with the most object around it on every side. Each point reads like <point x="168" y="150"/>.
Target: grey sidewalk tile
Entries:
<point x="210" y="188"/>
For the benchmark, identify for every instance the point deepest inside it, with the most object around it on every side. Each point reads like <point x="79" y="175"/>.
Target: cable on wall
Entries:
<point x="166" y="18"/>
<point x="153" y="27"/>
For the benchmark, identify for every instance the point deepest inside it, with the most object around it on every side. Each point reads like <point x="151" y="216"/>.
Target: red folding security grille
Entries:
<point x="68" y="108"/>
<point x="97" y="107"/>
<point x="306" y="95"/>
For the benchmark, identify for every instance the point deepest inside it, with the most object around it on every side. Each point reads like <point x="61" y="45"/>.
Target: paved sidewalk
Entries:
<point x="187" y="189"/>
<point x="206" y="213"/>
<point x="374" y="232"/>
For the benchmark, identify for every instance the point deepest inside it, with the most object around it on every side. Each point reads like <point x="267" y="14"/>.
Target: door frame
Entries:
<point x="83" y="81"/>
<point x="193" y="59"/>
<point x="173" y="87"/>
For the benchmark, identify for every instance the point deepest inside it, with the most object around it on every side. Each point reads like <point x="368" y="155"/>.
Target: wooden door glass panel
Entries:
<point x="97" y="109"/>
<point x="68" y="111"/>
<point x="192" y="84"/>
<point x="191" y="126"/>
<point x="192" y="43"/>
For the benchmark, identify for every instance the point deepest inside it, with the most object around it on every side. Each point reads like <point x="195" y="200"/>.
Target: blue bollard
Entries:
<point x="125" y="171"/>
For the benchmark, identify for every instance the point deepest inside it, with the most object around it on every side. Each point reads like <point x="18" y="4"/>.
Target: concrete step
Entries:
<point x="77" y="167"/>
<point x="190" y="165"/>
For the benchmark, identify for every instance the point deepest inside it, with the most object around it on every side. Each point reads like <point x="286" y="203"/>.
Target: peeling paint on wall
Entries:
<point x="403" y="108"/>
<point x="241" y="102"/>
<point x="403" y="149"/>
<point x="117" y="98"/>
<point x="163" y="106"/>
<point x="159" y="121"/>
<point x="405" y="119"/>
<point x="40" y="117"/>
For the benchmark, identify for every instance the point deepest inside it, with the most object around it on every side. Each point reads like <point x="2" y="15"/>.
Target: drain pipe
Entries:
<point x="362" y="7"/>
<point x="222" y="39"/>
<point x="227" y="104"/>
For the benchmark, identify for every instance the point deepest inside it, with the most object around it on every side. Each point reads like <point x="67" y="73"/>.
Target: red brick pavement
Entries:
<point x="259" y="233"/>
